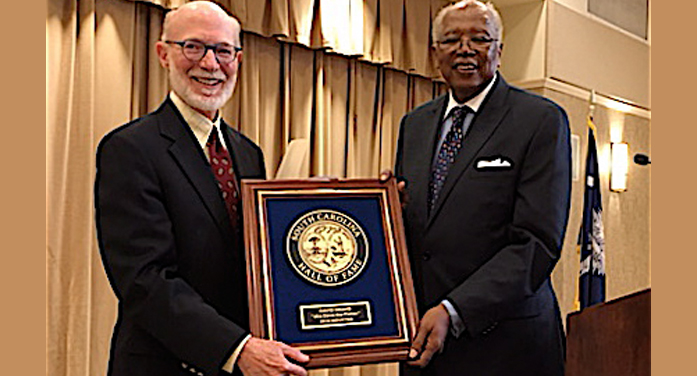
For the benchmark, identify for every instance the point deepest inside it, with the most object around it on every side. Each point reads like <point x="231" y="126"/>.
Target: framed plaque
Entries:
<point x="327" y="269"/>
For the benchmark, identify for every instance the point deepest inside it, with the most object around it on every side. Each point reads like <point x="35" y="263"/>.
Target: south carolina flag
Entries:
<point x="591" y="242"/>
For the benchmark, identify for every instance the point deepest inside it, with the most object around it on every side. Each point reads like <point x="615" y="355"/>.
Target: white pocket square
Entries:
<point x="497" y="163"/>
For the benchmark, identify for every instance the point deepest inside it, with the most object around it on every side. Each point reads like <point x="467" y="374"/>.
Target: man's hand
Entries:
<point x="386" y="175"/>
<point x="264" y="357"/>
<point x="430" y="337"/>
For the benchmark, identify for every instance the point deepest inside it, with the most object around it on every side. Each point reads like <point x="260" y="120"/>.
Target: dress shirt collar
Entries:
<point x="199" y="124"/>
<point x="474" y="103"/>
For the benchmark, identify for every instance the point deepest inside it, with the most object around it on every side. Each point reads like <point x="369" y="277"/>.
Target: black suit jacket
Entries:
<point x="495" y="234"/>
<point x="171" y="255"/>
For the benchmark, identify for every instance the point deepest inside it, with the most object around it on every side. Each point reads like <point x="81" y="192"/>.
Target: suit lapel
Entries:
<point x="190" y="158"/>
<point x="430" y="120"/>
<point x="241" y="162"/>
<point x="485" y="122"/>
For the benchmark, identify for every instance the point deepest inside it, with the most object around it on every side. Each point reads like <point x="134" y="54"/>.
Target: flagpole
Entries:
<point x="591" y="104"/>
<point x="591" y="112"/>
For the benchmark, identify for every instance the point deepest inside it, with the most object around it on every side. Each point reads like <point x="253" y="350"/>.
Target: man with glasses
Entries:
<point x="169" y="219"/>
<point x="487" y="173"/>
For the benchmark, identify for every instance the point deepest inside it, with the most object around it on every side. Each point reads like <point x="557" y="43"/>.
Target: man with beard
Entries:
<point x="169" y="220"/>
<point x="487" y="173"/>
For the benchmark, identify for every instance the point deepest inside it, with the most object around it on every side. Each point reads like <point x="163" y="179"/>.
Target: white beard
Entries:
<point x="180" y="84"/>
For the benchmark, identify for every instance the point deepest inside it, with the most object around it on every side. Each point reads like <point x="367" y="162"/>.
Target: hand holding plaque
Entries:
<point x="264" y="357"/>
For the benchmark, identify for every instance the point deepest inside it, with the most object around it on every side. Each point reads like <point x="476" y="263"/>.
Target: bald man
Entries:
<point x="169" y="220"/>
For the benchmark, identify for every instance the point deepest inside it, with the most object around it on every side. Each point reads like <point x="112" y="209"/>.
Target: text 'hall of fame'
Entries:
<point x="327" y="247"/>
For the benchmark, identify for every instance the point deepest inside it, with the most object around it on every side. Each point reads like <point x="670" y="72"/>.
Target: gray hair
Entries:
<point x="491" y="10"/>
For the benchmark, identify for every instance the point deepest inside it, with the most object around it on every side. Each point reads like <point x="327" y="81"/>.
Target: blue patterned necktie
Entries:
<point x="448" y="151"/>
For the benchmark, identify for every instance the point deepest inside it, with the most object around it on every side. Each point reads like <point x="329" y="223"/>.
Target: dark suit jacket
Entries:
<point x="172" y="257"/>
<point x="495" y="234"/>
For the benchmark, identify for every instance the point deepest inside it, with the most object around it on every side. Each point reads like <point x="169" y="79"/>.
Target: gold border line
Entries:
<point x="265" y="267"/>
<point x="348" y="343"/>
<point x="395" y="269"/>
<point x="265" y="254"/>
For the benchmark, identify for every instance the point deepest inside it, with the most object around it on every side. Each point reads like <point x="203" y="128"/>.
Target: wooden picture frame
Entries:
<point x="328" y="270"/>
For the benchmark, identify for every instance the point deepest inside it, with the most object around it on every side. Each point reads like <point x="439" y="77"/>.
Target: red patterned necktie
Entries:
<point x="448" y="151"/>
<point x="221" y="164"/>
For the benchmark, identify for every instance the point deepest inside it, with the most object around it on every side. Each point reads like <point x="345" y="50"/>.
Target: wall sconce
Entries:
<point x="619" y="152"/>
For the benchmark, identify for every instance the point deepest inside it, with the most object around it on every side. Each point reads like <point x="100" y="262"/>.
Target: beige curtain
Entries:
<point x="101" y="73"/>
<point x="392" y="32"/>
<point x="300" y="80"/>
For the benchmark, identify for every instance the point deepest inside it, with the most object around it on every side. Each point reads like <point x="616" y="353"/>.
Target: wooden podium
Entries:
<point x="612" y="338"/>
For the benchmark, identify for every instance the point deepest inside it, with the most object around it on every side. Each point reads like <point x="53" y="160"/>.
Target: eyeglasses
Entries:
<point x="456" y="42"/>
<point x="195" y="50"/>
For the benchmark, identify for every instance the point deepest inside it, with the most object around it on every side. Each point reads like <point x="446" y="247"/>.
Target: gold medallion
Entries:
<point x="327" y="247"/>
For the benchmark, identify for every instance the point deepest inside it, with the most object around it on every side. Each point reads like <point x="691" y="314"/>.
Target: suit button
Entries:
<point x="426" y="256"/>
